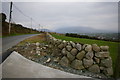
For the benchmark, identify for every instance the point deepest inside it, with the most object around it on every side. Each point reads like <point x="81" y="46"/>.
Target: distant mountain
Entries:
<point x="78" y="29"/>
<point x="46" y="30"/>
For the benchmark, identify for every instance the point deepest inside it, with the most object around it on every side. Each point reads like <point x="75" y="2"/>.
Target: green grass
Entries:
<point x="113" y="45"/>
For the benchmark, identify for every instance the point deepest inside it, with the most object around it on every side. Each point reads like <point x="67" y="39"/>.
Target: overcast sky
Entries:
<point x="53" y="15"/>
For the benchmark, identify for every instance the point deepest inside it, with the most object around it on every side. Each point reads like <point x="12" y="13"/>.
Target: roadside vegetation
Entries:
<point x="113" y="45"/>
<point x="39" y="38"/>
<point x="16" y="29"/>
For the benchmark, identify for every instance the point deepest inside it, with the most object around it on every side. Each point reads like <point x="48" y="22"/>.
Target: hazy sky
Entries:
<point x="53" y="15"/>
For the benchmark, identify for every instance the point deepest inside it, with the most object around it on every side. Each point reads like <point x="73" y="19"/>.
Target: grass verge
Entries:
<point x="39" y="38"/>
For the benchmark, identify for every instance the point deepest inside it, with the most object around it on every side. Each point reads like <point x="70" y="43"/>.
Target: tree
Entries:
<point x="3" y="17"/>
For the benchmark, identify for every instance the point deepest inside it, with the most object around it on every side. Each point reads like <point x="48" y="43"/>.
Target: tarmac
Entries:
<point x="17" y="66"/>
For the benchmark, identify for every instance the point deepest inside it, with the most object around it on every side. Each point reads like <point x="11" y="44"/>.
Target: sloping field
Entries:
<point x="113" y="45"/>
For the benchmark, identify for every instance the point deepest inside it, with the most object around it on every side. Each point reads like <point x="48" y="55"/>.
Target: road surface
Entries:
<point x="8" y="42"/>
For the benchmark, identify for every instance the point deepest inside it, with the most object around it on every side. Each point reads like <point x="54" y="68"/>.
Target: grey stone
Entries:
<point x="64" y="43"/>
<point x="74" y="51"/>
<point x="97" y="60"/>
<point x="80" y="55"/>
<point x="58" y="42"/>
<point x="78" y="46"/>
<point x="37" y="44"/>
<point x="77" y="64"/>
<point x="89" y="55"/>
<point x="102" y="68"/>
<point x="70" y="56"/>
<point x="87" y="62"/>
<point x="48" y="60"/>
<point x="61" y="46"/>
<point x="64" y="61"/>
<point x="56" y="52"/>
<point x="102" y="54"/>
<point x="88" y="48"/>
<point x="72" y="43"/>
<point x="106" y="62"/>
<point x="56" y="59"/>
<point x="108" y="71"/>
<point x="94" y="68"/>
<point x="104" y="48"/>
<point x="69" y="47"/>
<point x="37" y="48"/>
<point x="37" y="52"/>
<point x="84" y="46"/>
<point x="96" y="48"/>
<point x="55" y="41"/>
<point x="64" y="51"/>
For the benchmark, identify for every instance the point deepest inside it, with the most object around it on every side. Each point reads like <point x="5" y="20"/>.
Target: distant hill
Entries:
<point x="78" y="29"/>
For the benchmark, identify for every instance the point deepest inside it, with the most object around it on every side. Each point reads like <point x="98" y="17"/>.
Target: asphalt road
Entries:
<point x="9" y="42"/>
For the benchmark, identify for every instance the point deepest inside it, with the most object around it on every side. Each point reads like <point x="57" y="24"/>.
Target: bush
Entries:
<point x="3" y="17"/>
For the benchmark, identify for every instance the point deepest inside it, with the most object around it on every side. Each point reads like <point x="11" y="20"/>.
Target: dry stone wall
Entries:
<point x="93" y="58"/>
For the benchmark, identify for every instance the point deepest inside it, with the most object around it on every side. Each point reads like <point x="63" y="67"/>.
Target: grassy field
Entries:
<point x="113" y="45"/>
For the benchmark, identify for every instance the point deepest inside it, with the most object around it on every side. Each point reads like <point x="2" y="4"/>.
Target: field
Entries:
<point x="113" y="45"/>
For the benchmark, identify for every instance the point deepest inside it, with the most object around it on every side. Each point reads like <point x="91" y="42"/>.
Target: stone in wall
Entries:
<point x="106" y="62"/>
<point x="87" y="62"/>
<point x="78" y="46"/>
<point x="64" y="61"/>
<point x="88" y="48"/>
<point x="74" y="51"/>
<point x="92" y="57"/>
<point x="104" y="48"/>
<point x="108" y="71"/>
<point x="58" y="42"/>
<point x="64" y="51"/>
<point x="96" y="48"/>
<point x="69" y="47"/>
<point x="54" y="42"/>
<point x="61" y="46"/>
<point x="72" y="43"/>
<point x="102" y="68"/>
<point x="102" y="54"/>
<point x="70" y="56"/>
<point x="77" y="64"/>
<point x="89" y="55"/>
<point x="80" y="55"/>
<point x="85" y="45"/>
<point x="56" y="52"/>
<point x="94" y="68"/>
<point x="64" y="43"/>
<point x="97" y="60"/>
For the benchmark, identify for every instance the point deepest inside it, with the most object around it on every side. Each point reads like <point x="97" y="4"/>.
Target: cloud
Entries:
<point x="53" y="15"/>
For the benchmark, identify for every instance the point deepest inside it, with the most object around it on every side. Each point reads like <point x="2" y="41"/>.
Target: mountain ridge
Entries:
<point x="80" y="29"/>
